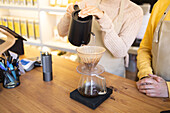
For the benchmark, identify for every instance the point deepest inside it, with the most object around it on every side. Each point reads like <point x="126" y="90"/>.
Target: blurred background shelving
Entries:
<point x="37" y="21"/>
<point x="44" y="14"/>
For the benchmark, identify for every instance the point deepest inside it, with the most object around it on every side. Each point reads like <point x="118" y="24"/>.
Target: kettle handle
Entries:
<point x="76" y="7"/>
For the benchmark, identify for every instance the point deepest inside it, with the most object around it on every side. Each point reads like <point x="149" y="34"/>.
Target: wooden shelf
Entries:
<point x="33" y="42"/>
<point x="61" y="46"/>
<point x="23" y="7"/>
<point x="53" y="9"/>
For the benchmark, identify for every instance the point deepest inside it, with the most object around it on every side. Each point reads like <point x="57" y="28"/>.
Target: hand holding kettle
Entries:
<point x="70" y="9"/>
<point x="80" y="28"/>
<point x="91" y="10"/>
<point x="88" y="10"/>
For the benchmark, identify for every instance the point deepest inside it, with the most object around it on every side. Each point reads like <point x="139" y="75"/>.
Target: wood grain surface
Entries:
<point x="36" y="96"/>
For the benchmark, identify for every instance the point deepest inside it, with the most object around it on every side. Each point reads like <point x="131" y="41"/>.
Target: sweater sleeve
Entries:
<point x="144" y="52"/>
<point x="168" y="84"/>
<point x="63" y="25"/>
<point x="119" y="44"/>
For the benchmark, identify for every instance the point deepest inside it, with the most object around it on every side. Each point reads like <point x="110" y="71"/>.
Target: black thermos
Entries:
<point x="80" y="28"/>
<point x="47" y="66"/>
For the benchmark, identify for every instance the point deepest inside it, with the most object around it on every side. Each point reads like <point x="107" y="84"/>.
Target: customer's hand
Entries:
<point x="91" y="10"/>
<point x="154" y="86"/>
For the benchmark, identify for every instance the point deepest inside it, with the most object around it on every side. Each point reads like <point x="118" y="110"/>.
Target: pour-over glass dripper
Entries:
<point x="90" y="55"/>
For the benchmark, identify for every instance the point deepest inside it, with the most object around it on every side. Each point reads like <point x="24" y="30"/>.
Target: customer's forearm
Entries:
<point x="144" y="62"/>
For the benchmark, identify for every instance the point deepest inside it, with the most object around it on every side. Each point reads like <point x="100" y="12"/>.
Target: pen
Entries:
<point x="2" y="66"/>
<point x="6" y="74"/>
<point x="2" y="60"/>
<point x="12" y="69"/>
<point x="15" y="62"/>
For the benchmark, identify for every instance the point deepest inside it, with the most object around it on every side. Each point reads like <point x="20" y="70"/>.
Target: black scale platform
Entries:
<point x="93" y="102"/>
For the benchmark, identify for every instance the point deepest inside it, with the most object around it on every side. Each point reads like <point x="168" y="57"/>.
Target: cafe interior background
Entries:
<point x="36" y="21"/>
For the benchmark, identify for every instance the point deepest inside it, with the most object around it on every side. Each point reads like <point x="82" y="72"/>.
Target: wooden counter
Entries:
<point x="36" y="96"/>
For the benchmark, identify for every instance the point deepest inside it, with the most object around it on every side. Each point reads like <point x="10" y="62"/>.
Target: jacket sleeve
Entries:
<point x="119" y="44"/>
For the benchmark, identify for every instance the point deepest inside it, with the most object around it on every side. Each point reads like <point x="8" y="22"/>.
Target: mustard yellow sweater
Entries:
<point x="144" y="52"/>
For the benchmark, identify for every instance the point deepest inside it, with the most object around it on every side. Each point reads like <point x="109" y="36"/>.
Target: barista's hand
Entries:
<point x="70" y="9"/>
<point x="91" y="10"/>
<point x="154" y="86"/>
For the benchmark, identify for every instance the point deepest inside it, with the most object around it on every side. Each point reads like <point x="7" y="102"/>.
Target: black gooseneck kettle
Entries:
<point x="80" y="28"/>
